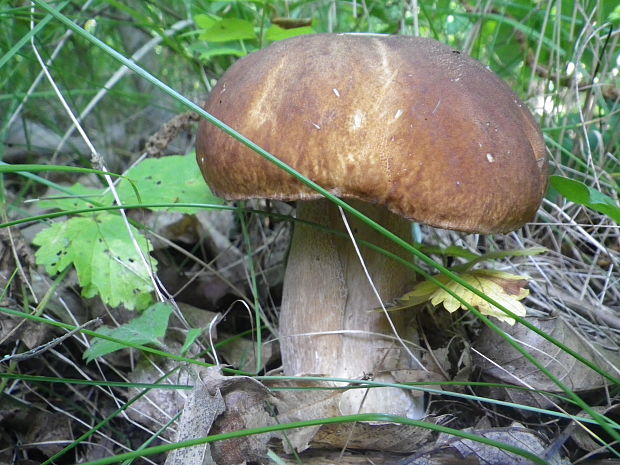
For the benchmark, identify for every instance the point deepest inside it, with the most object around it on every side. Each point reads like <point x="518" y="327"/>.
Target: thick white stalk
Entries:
<point x="328" y="322"/>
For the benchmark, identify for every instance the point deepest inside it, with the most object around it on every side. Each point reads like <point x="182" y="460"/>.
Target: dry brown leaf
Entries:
<point x="249" y="404"/>
<point x="47" y="432"/>
<point x="305" y="402"/>
<point x="336" y="457"/>
<point x="505" y="364"/>
<point x="158" y="406"/>
<point x="451" y="450"/>
<point x="201" y="409"/>
<point x="587" y="439"/>
<point x="219" y="404"/>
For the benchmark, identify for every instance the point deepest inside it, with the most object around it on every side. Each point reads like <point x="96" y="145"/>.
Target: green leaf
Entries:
<point x="275" y="32"/>
<point x="54" y="241"/>
<point x="83" y="197"/>
<point x="204" y="21"/>
<point x="228" y="29"/>
<point x="173" y="179"/>
<point x="105" y="259"/>
<point x="580" y="193"/>
<point x="148" y="328"/>
<point x="208" y="51"/>
<point x="190" y="338"/>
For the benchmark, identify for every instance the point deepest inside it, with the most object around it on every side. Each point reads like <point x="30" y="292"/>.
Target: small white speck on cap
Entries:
<point x="490" y="157"/>
<point x="316" y="125"/>
<point x="336" y="92"/>
<point x="358" y="119"/>
<point x="398" y="114"/>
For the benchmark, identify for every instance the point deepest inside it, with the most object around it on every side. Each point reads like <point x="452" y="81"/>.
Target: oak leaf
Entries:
<point x="505" y="288"/>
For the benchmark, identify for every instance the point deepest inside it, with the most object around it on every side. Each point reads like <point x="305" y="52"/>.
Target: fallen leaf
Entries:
<point x="250" y="404"/>
<point x="500" y="362"/>
<point x="590" y="438"/>
<point x="201" y="409"/>
<point x="221" y="404"/>
<point x="158" y="406"/>
<point x="451" y="450"/>
<point x="505" y="288"/>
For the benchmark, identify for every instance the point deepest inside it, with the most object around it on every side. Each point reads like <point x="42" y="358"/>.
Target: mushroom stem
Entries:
<point x="328" y="322"/>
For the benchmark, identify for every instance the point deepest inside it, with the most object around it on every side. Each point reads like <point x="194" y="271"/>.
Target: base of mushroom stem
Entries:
<point x="389" y="400"/>
<point x="302" y="399"/>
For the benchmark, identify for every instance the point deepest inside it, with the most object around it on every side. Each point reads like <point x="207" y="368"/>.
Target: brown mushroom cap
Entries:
<point x="405" y="122"/>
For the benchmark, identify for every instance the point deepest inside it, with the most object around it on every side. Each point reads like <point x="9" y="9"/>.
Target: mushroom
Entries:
<point x="403" y="128"/>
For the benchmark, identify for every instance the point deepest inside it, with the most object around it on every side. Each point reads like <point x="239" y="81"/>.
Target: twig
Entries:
<point x="48" y="345"/>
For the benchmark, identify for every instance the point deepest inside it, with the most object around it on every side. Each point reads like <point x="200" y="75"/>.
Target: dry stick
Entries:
<point x="48" y="345"/>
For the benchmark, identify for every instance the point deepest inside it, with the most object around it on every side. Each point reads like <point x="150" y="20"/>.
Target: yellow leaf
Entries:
<point x="505" y="288"/>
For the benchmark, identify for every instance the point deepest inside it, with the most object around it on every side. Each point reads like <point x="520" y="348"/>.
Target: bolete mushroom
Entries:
<point x="404" y="128"/>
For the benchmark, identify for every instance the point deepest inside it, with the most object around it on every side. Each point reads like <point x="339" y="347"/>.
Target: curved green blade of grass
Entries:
<point x="26" y="170"/>
<point x="323" y="421"/>
<point x="91" y="333"/>
<point x="228" y="130"/>
<point x="6" y="168"/>
<point x="79" y="211"/>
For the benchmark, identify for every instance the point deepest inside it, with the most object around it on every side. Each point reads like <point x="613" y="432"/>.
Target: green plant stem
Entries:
<point x="90" y="333"/>
<point x="86" y="382"/>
